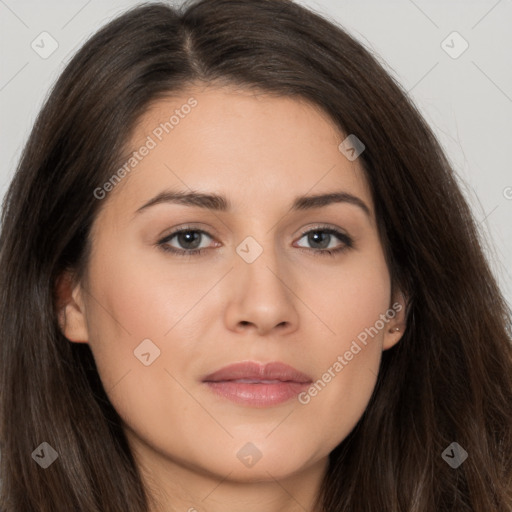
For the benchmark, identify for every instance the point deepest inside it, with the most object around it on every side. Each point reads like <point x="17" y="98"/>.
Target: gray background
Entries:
<point x="466" y="98"/>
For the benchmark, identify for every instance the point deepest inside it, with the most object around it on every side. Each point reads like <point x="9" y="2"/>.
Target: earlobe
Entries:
<point x="397" y="323"/>
<point x="392" y="337"/>
<point x="71" y="309"/>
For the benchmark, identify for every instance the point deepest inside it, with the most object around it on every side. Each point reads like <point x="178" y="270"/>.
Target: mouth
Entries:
<point x="257" y="385"/>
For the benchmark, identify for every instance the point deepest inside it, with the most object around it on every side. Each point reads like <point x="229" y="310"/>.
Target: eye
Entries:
<point x="189" y="239"/>
<point x="321" y="239"/>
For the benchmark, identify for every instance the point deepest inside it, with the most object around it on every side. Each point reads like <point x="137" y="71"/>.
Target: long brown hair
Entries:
<point x="448" y="380"/>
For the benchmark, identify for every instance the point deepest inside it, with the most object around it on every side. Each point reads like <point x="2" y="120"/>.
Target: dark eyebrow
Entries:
<point x="221" y="203"/>
<point x="319" y="200"/>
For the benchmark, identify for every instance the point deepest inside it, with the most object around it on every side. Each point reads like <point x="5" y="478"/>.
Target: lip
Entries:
<point x="256" y="384"/>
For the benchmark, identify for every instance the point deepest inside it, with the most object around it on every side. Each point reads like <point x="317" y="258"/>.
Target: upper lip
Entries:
<point x="258" y="371"/>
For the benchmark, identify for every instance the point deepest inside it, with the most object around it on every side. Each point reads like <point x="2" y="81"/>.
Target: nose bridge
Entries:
<point x="259" y="262"/>
<point x="262" y="295"/>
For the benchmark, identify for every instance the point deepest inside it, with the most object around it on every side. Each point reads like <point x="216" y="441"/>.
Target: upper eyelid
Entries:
<point x="177" y="231"/>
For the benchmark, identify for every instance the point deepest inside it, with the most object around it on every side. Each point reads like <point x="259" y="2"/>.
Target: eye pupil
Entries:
<point x="187" y="237"/>
<point x="315" y="235"/>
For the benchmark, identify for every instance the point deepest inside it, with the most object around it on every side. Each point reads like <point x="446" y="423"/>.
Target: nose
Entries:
<point x="261" y="298"/>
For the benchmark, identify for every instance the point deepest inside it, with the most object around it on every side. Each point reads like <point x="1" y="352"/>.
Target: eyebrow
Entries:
<point x="222" y="204"/>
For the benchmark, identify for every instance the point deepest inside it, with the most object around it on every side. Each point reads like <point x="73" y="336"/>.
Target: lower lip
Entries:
<point x="258" y="394"/>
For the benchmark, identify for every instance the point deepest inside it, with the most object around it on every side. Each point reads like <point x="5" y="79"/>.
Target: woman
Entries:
<point x="141" y="373"/>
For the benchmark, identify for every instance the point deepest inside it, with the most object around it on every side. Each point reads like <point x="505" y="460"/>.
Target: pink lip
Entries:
<point x="256" y="384"/>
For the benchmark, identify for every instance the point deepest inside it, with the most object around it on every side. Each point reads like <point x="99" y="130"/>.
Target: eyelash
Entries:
<point x="347" y="241"/>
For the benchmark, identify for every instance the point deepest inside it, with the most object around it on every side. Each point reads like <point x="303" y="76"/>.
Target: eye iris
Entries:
<point x="314" y="237"/>
<point x="187" y="237"/>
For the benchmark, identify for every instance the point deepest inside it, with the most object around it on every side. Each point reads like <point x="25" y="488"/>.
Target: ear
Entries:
<point x="71" y="308"/>
<point x="396" y="313"/>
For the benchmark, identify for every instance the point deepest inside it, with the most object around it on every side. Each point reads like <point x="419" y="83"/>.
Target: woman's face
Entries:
<point x="263" y="288"/>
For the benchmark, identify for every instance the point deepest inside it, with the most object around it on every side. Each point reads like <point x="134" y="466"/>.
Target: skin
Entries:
<point x="206" y="311"/>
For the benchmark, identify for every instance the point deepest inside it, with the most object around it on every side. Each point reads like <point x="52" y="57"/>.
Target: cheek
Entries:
<point x="348" y="354"/>
<point x="354" y="294"/>
<point x="144" y="299"/>
<point x="131" y="302"/>
<point x="139" y="297"/>
<point x="137" y="310"/>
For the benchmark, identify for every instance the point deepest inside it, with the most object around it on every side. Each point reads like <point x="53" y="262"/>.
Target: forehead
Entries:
<point x="259" y="150"/>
